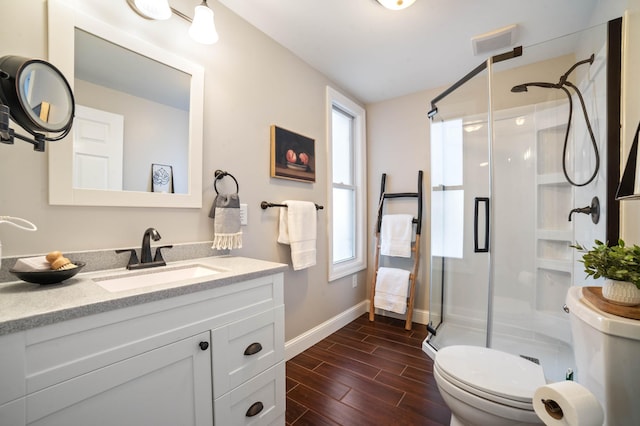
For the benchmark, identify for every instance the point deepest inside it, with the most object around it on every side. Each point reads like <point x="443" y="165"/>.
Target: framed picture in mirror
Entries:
<point x="292" y="155"/>
<point x="162" y="178"/>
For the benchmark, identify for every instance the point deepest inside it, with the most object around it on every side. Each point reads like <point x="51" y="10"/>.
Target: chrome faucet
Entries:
<point x="146" y="261"/>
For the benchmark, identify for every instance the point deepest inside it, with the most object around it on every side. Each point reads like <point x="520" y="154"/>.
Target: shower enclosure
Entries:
<point x="501" y="204"/>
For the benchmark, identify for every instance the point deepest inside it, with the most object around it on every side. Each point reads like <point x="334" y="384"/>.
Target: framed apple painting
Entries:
<point x="292" y="155"/>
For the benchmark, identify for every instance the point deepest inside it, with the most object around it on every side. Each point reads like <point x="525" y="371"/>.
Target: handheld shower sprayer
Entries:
<point x="562" y="82"/>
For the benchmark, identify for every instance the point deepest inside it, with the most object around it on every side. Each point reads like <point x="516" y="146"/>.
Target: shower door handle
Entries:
<point x="476" y="231"/>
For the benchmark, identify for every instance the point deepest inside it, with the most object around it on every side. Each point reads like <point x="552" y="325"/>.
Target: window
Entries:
<point x="447" y="193"/>
<point x="346" y="167"/>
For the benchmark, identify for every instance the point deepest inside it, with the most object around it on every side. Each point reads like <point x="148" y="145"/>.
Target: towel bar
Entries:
<point x="265" y="205"/>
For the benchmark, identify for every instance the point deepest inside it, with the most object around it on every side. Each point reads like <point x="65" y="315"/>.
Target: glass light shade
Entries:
<point x="202" y="29"/>
<point x="151" y="9"/>
<point x="396" y="4"/>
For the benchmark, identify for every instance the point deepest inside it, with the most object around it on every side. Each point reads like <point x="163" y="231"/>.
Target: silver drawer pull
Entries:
<point x="255" y="409"/>
<point x="253" y="349"/>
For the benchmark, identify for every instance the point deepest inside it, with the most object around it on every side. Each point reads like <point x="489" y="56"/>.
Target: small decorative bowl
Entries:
<point x="48" y="277"/>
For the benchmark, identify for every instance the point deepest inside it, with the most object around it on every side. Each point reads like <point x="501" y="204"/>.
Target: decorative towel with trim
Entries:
<point x="225" y="213"/>
<point x="298" y="229"/>
<point x="392" y="286"/>
<point x="395" y="235"/>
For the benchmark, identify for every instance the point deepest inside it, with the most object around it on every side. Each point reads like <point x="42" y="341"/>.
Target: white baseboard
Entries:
<point x="309" y="338"/>
<point x="419" y="316"/>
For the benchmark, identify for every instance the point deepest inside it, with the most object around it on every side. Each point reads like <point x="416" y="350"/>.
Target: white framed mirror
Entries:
<point x="145" y="101"/>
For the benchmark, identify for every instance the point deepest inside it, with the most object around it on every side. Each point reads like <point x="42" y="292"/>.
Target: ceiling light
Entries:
<point x="203" y="29"/>
<point x="151" y="9"/>
<point x="396" y="4"/>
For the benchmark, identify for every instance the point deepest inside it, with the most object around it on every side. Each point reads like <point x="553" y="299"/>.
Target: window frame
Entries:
<point x="359" y="261"/>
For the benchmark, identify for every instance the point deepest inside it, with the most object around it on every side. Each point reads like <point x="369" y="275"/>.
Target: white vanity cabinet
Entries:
<point x="208" y="357"/>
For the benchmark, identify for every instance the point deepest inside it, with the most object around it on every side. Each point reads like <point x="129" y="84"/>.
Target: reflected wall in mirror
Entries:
<point x="129" y="101"/>
<point x="137" y="105"/>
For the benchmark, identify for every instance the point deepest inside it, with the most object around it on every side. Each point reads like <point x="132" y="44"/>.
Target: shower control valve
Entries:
<point x="593" y="210"/>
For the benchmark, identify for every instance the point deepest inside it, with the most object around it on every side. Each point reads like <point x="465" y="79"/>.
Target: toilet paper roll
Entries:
<point x="567" y="403"/>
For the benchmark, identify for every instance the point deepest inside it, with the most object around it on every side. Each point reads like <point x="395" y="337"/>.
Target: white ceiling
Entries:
<point x="378" y="54"/>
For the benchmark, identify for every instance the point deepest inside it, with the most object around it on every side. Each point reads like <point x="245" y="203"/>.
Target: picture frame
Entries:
<point x="162" y="178"/>
<point x="292" y="155"/>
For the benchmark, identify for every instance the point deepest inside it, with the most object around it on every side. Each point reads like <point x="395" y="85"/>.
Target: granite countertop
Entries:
<point x="24" y="305"/>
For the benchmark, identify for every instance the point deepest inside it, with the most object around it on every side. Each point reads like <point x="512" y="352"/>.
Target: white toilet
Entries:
<point x="485" y="386"/>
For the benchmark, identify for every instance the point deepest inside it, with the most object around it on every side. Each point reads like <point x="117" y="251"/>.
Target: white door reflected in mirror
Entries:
<point x="97" y="149"/>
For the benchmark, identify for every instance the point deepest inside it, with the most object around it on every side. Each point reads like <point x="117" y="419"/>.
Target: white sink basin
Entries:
<point x="147" y="278"/>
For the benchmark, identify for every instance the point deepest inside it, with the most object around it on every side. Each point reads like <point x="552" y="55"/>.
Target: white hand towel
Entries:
<point x="395" y="235"/>
<point x="392" y="285"/>
<point x="298" y="229"/>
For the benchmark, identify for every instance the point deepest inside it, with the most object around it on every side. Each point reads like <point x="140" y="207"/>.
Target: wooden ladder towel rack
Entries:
<point x="415" y="248"/>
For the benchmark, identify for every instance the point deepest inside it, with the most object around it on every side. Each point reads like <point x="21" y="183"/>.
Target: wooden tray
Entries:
<point x="594" y="295"/>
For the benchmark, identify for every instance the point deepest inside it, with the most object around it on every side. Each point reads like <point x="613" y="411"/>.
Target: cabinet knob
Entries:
<point x="255" y="409"/>
<point x="204" y="345"/>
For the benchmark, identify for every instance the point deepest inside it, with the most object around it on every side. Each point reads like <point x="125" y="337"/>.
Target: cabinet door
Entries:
<point x="13" y="413"/>
<point x="170" y="385"/>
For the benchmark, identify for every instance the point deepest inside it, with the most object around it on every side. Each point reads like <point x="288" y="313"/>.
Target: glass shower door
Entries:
<point x="502" y="163"/>
<point x="460" y="219"/>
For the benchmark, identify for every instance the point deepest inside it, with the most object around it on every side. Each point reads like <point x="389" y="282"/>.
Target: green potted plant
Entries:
<point x="619" y="265"/>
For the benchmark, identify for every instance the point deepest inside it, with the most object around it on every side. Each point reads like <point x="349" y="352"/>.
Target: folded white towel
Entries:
<point x="30" y="264"/>
<point x="298" y="229"/>
<point x="392" y="286"/>
<point x="395" y="235"/>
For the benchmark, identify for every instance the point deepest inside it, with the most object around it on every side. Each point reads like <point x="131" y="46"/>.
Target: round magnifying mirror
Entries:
<point x="38" y="95"/>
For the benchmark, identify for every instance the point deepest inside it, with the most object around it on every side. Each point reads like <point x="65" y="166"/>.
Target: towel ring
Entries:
<point x="219" y="174"/>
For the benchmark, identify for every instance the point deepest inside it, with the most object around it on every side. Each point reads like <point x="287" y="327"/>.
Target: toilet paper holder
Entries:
<point x="552" y="408"/>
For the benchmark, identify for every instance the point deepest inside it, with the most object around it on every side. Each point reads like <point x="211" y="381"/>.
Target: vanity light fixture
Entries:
<point x="202" y="29"/>
<point x="157" y="10"/>
<point x="396" y="4"/>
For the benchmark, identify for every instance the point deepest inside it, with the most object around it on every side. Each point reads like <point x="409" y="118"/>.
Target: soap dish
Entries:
<point x="48" y="276"/>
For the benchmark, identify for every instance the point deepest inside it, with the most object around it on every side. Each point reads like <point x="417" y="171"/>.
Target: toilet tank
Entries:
<point x="607" y="354"/>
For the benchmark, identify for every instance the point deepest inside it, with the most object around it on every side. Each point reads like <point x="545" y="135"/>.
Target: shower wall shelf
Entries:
<point x="554" y="196"/>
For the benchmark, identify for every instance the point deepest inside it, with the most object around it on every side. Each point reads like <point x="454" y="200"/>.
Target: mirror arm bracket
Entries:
<point x="8" y="135"/>
<point x="37" y="141"/>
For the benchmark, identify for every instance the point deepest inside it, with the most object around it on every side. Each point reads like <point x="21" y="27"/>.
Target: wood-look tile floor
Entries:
<point x="367" y="373"/>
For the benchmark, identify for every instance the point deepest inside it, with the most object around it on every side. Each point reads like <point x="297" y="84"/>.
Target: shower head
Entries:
<point x="523" y="87"/>
<point x="561" y="85"/>
<point x="519" y="88"/>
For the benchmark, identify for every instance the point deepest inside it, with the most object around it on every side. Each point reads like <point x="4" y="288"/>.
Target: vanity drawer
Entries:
<point x="264" y="394"/>
<point x="71" y="348"/>
<point x="246" y="348"/>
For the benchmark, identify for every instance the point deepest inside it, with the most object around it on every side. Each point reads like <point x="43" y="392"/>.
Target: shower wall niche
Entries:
<point x="554" y="196"/>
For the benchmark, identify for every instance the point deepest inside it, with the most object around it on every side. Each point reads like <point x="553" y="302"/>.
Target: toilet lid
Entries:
<point x="492" y="374"/>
